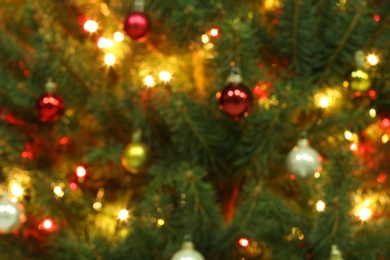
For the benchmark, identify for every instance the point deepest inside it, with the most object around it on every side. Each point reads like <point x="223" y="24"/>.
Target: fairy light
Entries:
<point x="102" y="42"/>
<point x="81" y="172"/>
<point x="149" y="81"/>
<point x="317" y="175"/>
<point x="91" y="26"/>
<point x="244" y="242"/>
<point x="320" y="206"/>
<point x="353" y="147"/>
<point x="97" y="205"/>
<point x="119" y="37"/>
<point x="348" y="135"/>
<point x="372" y="113"/>
<point x="364" y="213"/>
<point x="214" y="32"/>
<point x="109" y="59"/>
<point x="16" y="190"/>
<point x="160" y="222"/>
<point x="205" y="38"/>
<point x="123" y="214"/>
<point x="58" y="191"/>
<point x="47" y="225"/>
<point x="372" y="59"/>
<point x="165" y="76"/>
<point x="385" y="138"/>
<point x="324" y="102"/>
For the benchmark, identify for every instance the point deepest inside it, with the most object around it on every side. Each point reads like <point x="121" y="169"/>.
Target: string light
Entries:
<point x="372" y="59"/>
<point x="348" y="135"/>
<point x="97" y="205"/>
<point x="81" y="171"/>
<point x="205" y="38"/>
<point x="149" y="81"/>
<point x="16" y="190"/>
<point x="317" y="175"/>
<point x="118" y="37"/>
<point x="160" y="222"/>
<point x="109" y="59"/>
<point x="58" y="191"/>
<point x="123" y="214"/>
<point x="244" y="242"/>
<point x="364" y="214"/>
<point x="385" y="138"/>
<point x="165" y="76"/>
<point x="91" y="26"/>
<point x="47" y="225"/>
<point x="324" y="102"/>
<point x="320" y="206"/>
<point x="214" y="32"/>
<point x="372" y="113"/>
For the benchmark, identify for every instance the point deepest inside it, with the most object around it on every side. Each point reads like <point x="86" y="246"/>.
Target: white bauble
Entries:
<point x="303" y="161"/>
<point x="11" y="215"/>
<point x="187" y="252"/>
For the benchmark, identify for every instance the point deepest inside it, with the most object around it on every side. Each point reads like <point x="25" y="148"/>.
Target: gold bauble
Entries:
<point x="360" y="80"/>
<point x="136" y="157"/>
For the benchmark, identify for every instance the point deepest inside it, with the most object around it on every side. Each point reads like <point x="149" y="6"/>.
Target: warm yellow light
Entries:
<point x="372" y="113"/>
<point x="324" y="102"/>
<point x="165" y="76"/>
<point x="160" y="222"/>
<point x="101" y="42"/>
<point x="123" y="214"/>
<point x="58" y="191"/>
<point x="149" y="81"/>
<point x="364" y="213"/>
<point x="109" y="44"/>
<point x="97" y="205"/>
<point x="16" y="190"/>
<point x="345" y="84"/>
<point x="353" y="147"/>
<point x="118" y="37"/>
<point x="109" y="59"/>
<point x="348" y="135"/>
<point x="205" y="38"/>
<point x="385" y="138"/>
<point x="320" y="205"/>
<point x="91" y="26"/>
<point x="317" y="175"/>
<point x="372" y="59"/>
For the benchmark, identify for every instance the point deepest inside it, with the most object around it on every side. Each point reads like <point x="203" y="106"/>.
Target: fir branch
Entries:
<point x="297" y="4"/>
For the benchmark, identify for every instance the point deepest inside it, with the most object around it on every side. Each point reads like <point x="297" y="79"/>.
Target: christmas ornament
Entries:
<point x="136" y="155"/>
<point x="303" y="161"/>
<point x="187" y="252"/>
<point x="335" y="254"/>
<point x="11" y="215"/>
<point x="137" y="24"/>
<point x="50" y="105"/>
<point x="360" y="80"/>
<point x="235" y="100"/>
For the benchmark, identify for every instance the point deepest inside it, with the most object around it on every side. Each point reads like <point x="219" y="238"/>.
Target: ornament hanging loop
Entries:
<point x="139" y="5"/>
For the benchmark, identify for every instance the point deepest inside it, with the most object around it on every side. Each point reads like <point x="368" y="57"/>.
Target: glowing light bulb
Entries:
<point x="47" y="225"/>
<point x="58" y="191"/>
<point x="123" y="214"/>
<point x="165" y="76"/>
<point x="348" y="135"/>
<point x="244" y="242"/>
<point x="214" y="32"/>
<point x="364" y="213"/>
<point x="317" y="175"/>
<point x="205" y="38"/>
<point x="81" y="172"/>
<point x="160" y="222"/>
<point x="353" y="147"/>
<point x="324" y="102"/>
<point x="16" y="190"/>
<point x="372" y="113"/>
<point x="97" y="205"/>
<point x="91" y="26"/>
<point x="101" y="42"/>
<point x="320" y="205"/>
<point x="149" y="81"/>
<point x="385" y="138"/>
<point x="372" y="59"/>
<point x="118" y="37"/>
<point x="109" y="59"/>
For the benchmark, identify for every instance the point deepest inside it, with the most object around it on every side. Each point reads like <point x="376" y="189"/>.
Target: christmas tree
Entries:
<point x="194" y="129"/>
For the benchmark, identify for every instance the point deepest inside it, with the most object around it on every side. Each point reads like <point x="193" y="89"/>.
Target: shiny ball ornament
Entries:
<point x="187" y="252"/>
<point x="136" y="157"/>
<point x="11" y="215"/>
<point x="360" y="80"/>
<point x="235" y="100"/>
<point x="137" y="25"/>
<point x="50" y="107"/>
<point x="303" y="161"/>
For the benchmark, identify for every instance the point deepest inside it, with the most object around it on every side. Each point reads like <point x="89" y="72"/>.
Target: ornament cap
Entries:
<point x="136" y="137"/>
<point x="359" y="59"/>
<point x="235" y="75"/>
<point x="139" y="5"/>
<point x="187" y="245"/>
<point x="50" y="85"/>
<point x="335" y="253"/>
<point x="303" y="142"/>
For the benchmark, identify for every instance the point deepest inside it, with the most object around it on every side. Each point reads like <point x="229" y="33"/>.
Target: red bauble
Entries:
<point x="235" y="100"/>
<point x="137" y="26"/>
<point x="50" y="107"/>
